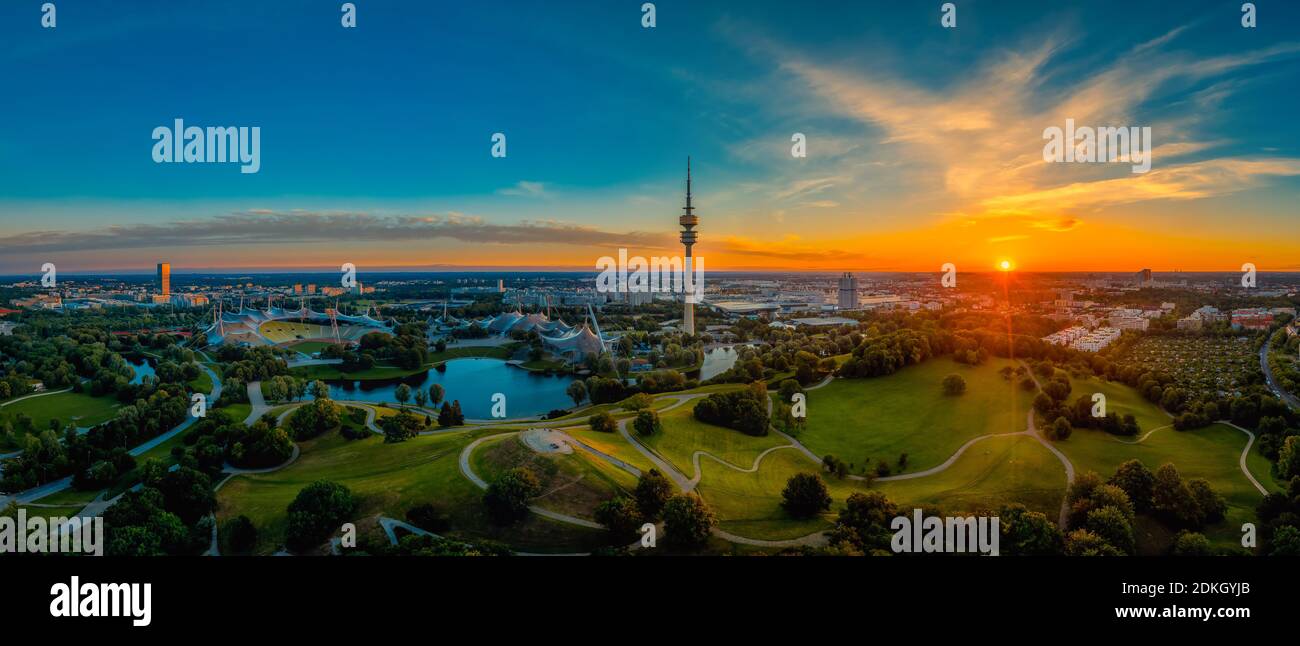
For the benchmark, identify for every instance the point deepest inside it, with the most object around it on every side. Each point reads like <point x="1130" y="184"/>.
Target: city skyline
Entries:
<point x="923" y="143"/>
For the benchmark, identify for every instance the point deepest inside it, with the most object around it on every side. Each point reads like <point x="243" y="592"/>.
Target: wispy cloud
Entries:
<point x="525" y="189"/>
<point x="264" y="227"/>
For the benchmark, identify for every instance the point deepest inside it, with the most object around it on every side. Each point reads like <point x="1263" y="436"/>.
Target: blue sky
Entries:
<point x="387" y="126"/>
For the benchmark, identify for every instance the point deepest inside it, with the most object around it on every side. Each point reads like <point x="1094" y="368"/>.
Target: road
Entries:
<point x="1285" y="396"/>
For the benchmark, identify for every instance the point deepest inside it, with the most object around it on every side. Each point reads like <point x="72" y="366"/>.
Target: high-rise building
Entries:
<point x="1144" y="278"/>
<point x="688" y="222"/>
<point x="164" y="278"/>
<point x="501" y="286"/>
<point x="848" y="292"/>
<point x="297" y="288"/>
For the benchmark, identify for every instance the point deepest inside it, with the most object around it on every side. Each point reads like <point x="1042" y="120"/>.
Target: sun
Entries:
<point x="1005" y="265"/>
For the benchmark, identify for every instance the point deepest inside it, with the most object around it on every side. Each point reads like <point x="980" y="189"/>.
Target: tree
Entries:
<point x="1173" y="500"/>
<point x="188" y="494"/>
<point x="863" y="523"/>
<point x="402" y="393"/>
<point x="688" y="521"/>
<point x="1137" y="481"/>
<point x="1061" y="429"/>
<point x="805" y="495"/>
<point x="788" y="389"/>
<point x="436" y="393"/>
<point x="318" y="510"/>
<point x="400" y="427"/>
<point x="603" y="422"/>
<point x="652" y="492"/>
<point x="508" y="496"/>
<point x="1027" y="533"/>
<point x="420" y="398"/>
<point x="314" y="418"/>
<point x="1288" y="458"/>
<point x="1191" y="544"/>
<point x="647" y="423"/>
<point x="621" y="517"/>
<point x="577" y="391"/>
<point x="1285" y="542"/>
<point x="1113" y="527"/>
<point x="241" y="535"/>
<point x="954" y="385"/>
<point x="1212" y="506"/>
<point x="1082" y="542"/>
<point x="319" y="390"/>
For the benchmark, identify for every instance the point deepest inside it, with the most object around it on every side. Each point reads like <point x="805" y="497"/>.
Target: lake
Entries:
<point x="473" y="381"/>
<point x="141" y="369"/>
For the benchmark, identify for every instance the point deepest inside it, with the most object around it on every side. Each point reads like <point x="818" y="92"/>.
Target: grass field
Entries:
<point x="1212" y="453"/>
<point x="573" y="484"/>
<point x="611" y="444"/>
<point x="880" y="418"/>
<point x="990" y="473"/>
<point x="683" y="435"/>
<point x="310" y="347"/>
<point x="390" y="479"/>
<point x="68" y="407"/>
<point x="202" y="384"/>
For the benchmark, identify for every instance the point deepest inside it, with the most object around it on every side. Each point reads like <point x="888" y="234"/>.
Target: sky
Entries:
<point x="924" y="143"/>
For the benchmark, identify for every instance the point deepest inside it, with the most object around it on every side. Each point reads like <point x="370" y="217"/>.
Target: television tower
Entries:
<point x="688" y="221"/>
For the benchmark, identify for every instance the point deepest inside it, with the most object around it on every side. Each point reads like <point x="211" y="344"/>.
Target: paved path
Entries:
<point x="189" y="421"/>
<point x="1290" y="399"/>
<point x="40" y="394"/>
<point x="36" y="493"/>
<point x="1144" y="435"/>
<point x="1242" y="461"/>
<point x="234" y="470"/>
<point x="1032" y="430"/>
<point x="257" y="401"/>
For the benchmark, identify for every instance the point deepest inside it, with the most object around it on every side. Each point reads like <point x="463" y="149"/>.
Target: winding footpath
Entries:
<point x="36" y="493"/>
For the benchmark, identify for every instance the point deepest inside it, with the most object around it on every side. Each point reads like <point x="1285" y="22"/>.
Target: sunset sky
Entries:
<point x="924" y="143"/>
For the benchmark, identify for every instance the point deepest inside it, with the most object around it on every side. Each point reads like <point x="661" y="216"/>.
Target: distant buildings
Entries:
<point x="848" y="299"/>
<point x="1066" y="336"/>
<point x="1097" y="339"/>
<point x="1252" y="318"/>
<point x="1130" y="323"/>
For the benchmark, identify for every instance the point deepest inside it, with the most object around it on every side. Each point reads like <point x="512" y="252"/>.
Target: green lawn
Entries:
<point x="907" y="412"/>
<point x="389" y="479"/>
<point x="69" y="407"/>
<point x="310" y="347"/>
<point x="611" y="444"/>
<point x="749" y="504"/>
<point x="203" y="384"/>
<point x="1212" y="453"/>
<point x="573" y="484"/>
<point x="683" y="435"/>
<point x="237" y="412"/>
<point x="990" y="473"/>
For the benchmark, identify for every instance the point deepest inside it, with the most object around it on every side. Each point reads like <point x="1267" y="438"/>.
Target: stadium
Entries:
<point x="283" y="327"/>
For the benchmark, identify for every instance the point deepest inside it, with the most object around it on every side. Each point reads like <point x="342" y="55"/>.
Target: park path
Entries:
<point x="36" y="493"/>
<point x="1144" y="435"/>
<point x="1242" y="460"/>
<point x="1033" y="431"/>
<point x="258" y="403"/>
